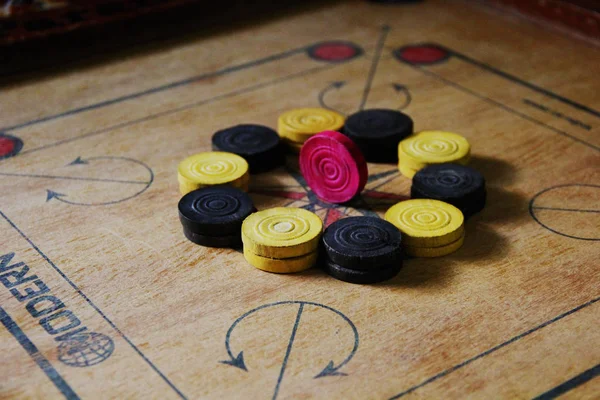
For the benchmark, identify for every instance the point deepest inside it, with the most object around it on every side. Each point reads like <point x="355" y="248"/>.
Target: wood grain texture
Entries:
<point x="579" y="16"/>
<point x="90" y="206"/>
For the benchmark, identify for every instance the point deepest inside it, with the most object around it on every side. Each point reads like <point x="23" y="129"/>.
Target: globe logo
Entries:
<point x="85" y="349"/>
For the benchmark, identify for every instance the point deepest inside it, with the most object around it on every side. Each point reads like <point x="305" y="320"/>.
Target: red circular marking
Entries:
<point x="333" y="167"/>
<point x="424" y="54"/>
<point x="334" y="52"/>
<point x="7" y="146"/>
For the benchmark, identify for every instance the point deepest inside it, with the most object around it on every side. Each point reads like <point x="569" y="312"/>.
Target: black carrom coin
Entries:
<point x="377" y="132"/>
<point x="374" y="275"/>
<point x="259" y="145"/>
<point x="459" y="185"/>
<point x="215" y="211"/>
<point x="362" y="243"/>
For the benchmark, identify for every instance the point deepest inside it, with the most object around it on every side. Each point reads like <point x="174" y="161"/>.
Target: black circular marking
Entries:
<point x="360" y="276"/>
<point x="10" y="145"/>
<point x="362" y="243"/>
<point x="461" y="186"/>
<point x="377" y="132"/>
<point x="215" y="211"/>
<point x="532" y="212"/>
<point x="259" y="145"/>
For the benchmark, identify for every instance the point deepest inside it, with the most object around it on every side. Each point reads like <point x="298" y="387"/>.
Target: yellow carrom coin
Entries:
<point x="282" y="232"/>
<point x="281" y="266"/>
<point x="407" y="163"/>
<point x="439" y="251"/>
<point x="427" y="223"/>
<point x="243" y="184"/>
<point x="212" y="168"/>
<point x="299" y="124"/>
<point x="409" y="169"/>
<point x="433" y="147"/>
<point x="406" y="171"/>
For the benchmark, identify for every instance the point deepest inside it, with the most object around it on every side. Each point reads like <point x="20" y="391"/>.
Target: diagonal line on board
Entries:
<point x="524" y="83"/>
<point x="502" y="106"/>
<point x="92" y="304"/>
<point x="385" y="30"/>
<point x="565" y="209"/>
<point x="571" y="384"/>
<point x="157" y="89"/>
<point x="493" y="349"/>
<point x="74" y="178"/>
<point x="178" y="109"/>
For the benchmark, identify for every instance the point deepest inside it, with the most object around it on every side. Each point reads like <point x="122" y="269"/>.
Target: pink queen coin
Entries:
<point x="333" y="166"/>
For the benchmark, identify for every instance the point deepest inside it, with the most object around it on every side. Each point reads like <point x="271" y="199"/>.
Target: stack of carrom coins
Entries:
<point x="298" y="125"/>
<point x="431" y="147"/>
<point x="211" y="169"/>
<point x="362" y="250"/>
<point x="213" y="216"/>
<point x="282" y="239"/>
<point x="430" y="228"/>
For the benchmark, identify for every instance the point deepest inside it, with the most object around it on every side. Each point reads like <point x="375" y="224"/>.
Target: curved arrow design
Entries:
<point x="50" y="194"/>
<point x="403" y="91"/>
<point x="330" y="370"/>
<point x="334" y="85"/>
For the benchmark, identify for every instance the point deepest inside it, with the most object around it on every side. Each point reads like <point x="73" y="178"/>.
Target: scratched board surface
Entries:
<point x="101" y="295"/>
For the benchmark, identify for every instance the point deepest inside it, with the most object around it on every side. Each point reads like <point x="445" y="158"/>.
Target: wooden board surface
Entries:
<point x="88" y="218"/>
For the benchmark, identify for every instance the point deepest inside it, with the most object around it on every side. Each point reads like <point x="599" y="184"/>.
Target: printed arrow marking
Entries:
<point x="370" y="77"/>
<point x="237" y="362"/>
<point x="78" y="161"/>
<point x="330" y="370"/>
<point x="403" y="91"/>
<point x="334" y="85"/>
<point x="51" y="194"/>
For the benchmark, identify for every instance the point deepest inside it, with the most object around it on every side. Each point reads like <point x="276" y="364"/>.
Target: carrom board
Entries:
<point x="102" y="296"/>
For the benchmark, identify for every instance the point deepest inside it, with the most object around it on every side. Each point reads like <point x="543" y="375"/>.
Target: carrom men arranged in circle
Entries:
<point x="332" y="153"/>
